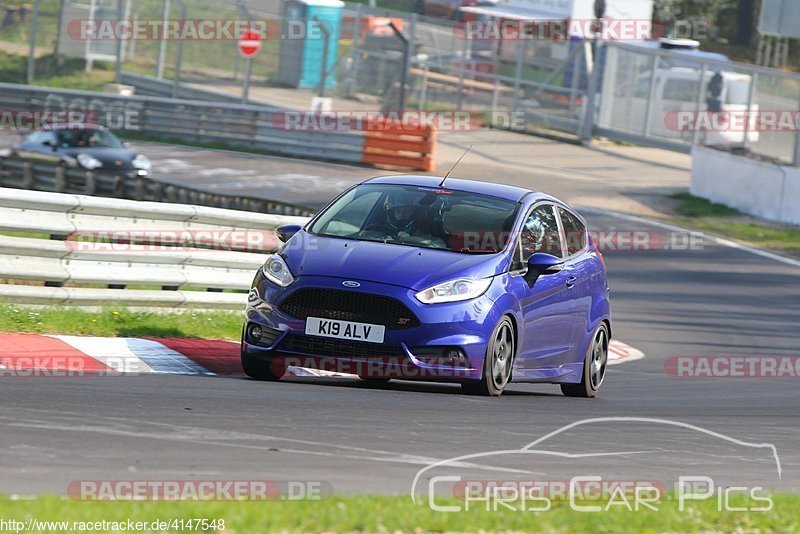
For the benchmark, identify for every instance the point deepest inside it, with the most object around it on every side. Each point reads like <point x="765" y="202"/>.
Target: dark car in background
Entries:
<point x="87" y="147"/>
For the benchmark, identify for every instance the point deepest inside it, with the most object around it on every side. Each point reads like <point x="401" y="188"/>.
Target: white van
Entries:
<point x="677" y="90"/>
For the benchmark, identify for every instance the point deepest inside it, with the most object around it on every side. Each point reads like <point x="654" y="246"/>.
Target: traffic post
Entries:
<point x="249" y="45"/>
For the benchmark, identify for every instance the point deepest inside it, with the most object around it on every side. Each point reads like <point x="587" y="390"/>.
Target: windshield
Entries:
<point x="425" y="217"/>
<point x="88" y="139"/>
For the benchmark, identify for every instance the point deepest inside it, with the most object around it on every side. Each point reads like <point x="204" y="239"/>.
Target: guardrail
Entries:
<point x="152" y="86"/>
<point x="40" y="176"/>
<point x="262" y="128"/>
<point x="237" y="125"/>
<point x="174" y="255"/>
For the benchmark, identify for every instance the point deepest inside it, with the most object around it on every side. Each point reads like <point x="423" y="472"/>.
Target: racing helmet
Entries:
<point x="402" y="209"/>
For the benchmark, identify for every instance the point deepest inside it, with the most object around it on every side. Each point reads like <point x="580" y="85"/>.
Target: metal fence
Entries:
<point x="446" y="71"/>
<point x="40" y="176"/>
<point x="519" y="84"/>
<point x="252" y="127"/>
<point x="148" y="255"/>
<point x="666" y="98"/>
<point x="524" y="84"/>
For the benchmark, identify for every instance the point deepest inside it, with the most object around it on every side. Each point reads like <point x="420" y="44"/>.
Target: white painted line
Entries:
<point x="619" y="352"/>
<point x="711" y="237"/>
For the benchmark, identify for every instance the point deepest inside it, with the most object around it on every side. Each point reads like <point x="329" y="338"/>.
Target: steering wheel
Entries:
<point x="379" y="227"/>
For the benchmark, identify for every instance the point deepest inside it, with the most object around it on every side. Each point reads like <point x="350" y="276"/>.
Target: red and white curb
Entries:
<point x="619" y="352"/>
<point x="81" y="355"/>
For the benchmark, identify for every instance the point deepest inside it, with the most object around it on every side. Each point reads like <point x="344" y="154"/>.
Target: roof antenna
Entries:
<point x="441" y="184"/>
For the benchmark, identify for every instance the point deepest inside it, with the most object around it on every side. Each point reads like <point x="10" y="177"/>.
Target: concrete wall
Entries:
<point x="757" y="188"/>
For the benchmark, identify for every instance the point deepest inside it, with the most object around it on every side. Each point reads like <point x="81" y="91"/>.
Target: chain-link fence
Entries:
<point x="643" y="93"/>
<point x="673" y="98"/>
<point x="520" y="84"/>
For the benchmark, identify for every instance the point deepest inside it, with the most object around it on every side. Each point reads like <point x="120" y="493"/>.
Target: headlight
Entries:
<point x="454" y="291"/>
<point x="141" y="162"/>
<point x="88" y="162"/>
<point x="277" y="272"/>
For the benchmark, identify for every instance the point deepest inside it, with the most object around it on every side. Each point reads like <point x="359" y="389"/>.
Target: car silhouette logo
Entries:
<point x="350" y="283"/>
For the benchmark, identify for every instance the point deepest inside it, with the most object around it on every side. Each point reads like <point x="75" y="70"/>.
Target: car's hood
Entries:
<point x="411" y="267"/>
<point x="108" y="156"/>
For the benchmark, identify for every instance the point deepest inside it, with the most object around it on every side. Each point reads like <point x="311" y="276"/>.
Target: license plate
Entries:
<point x="372" y="333"/>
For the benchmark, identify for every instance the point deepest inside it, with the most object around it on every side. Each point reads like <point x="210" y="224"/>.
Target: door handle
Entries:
<point x="571" y="281"/>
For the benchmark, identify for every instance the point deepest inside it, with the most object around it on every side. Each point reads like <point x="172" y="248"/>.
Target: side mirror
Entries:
<point x="50" y="144"/>
<point x="126" y="145"/>
<point x="286" y="232"/>
<point x="544" y="263"/>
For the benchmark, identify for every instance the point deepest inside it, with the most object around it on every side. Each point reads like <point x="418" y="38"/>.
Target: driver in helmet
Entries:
<point x="534" y="235"/>
<point x="402" y="212"/>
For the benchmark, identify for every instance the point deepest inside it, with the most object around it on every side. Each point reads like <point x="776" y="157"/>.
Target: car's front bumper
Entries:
<point x="408" y="353"/>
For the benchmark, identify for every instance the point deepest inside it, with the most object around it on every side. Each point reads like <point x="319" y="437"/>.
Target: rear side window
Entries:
<point x="574" y="231"/>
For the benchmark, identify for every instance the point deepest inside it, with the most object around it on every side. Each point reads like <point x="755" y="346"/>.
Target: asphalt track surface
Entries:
<point x="355" y="438"/>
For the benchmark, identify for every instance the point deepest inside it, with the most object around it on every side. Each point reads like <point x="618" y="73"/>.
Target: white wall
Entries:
<point x="757" y="188"/>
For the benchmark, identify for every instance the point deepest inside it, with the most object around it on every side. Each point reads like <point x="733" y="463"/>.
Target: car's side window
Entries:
<point x="539" y="234"/>
<point x="574" y="231"/>
<point x="46" y="136"/>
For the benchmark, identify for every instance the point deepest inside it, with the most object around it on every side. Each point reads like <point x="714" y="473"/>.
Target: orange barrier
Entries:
<point x="398" y="145"/>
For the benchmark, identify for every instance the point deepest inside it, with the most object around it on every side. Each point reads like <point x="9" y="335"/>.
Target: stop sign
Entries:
<point x="249" y="43"/>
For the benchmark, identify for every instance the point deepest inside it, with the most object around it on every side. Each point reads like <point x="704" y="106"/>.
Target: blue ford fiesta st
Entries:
<point x="412" y="278"/>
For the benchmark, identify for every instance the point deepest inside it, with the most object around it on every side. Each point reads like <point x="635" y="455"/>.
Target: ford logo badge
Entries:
<point x="350" y="283"/>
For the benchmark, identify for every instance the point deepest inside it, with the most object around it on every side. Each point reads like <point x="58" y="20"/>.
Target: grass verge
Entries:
<point x="700" y="214"/>
<point x="120" y="322"/>
<point x="400" y="514"/>
<point x="68" y="74"/>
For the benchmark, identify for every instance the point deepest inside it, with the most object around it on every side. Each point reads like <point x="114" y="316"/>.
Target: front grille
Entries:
<point x="349" y="306"/>
<point x="320" y="346"/>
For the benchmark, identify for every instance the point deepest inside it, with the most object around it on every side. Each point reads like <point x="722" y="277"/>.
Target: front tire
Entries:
<point x="262" y="370"/>
<point x="497" y="364"/>
<point x="372" y="381"/>
<point x="594" y="367"/>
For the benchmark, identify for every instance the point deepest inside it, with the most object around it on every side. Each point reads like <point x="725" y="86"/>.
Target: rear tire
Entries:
<point x="594" y="367"/>
<point x="497" y="364"/>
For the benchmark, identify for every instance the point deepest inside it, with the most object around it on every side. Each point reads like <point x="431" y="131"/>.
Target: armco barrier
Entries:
<point x="117" y="243"/>
<point x="235" y="125"/>
<point x="404" y="146"/>
<point x="39" y="176"/>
